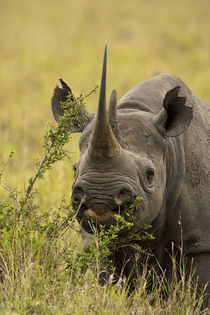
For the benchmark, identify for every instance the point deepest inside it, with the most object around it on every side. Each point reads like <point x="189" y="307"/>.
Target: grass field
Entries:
<point x="42" y="41"/>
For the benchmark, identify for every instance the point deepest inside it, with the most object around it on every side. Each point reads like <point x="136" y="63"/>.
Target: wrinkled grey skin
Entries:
<point x="154" y="145"/>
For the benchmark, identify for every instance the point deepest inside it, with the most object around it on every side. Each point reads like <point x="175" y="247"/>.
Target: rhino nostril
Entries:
<point x="78" y="193"/>
<point x="124" y="196"/>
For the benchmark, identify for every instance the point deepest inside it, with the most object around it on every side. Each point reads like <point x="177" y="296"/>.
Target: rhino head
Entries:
<point x="124" y="154"/>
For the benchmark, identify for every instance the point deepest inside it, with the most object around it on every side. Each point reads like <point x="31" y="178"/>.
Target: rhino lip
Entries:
<point x="101" y="216"/>
<point x="88" y="218"/>
<point x="96" y="215"/>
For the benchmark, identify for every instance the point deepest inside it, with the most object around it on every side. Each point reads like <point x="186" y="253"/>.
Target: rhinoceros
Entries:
<point x="153" y="143"/>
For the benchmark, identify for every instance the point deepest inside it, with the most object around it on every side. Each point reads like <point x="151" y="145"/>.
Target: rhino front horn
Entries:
<point x="103" y="142"/>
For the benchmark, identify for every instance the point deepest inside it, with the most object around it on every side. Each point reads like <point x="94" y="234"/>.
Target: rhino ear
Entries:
<point x="60" y="95"/>
<point x="175" y="117"/>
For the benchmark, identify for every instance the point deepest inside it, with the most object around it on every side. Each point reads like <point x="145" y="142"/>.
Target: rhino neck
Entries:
<point x="167" y="219"/>
<point x="162" y="225"/>
<point x="175" y="171"/>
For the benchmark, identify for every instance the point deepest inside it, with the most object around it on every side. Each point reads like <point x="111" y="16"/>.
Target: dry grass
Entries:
<point x="42" y="41"/>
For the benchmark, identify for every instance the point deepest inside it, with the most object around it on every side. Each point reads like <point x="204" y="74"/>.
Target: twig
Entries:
<point x="48" y="154"/>
<point x="74" y="218"/>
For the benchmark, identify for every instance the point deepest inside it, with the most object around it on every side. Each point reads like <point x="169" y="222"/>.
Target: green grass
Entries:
<point x="42" y="41"/>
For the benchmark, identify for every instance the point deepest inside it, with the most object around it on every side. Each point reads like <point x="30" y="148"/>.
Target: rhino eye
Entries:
<point x="150" y="173"/>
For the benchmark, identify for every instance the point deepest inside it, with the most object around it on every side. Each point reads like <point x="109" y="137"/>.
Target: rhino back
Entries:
<point x="152" y="92"/>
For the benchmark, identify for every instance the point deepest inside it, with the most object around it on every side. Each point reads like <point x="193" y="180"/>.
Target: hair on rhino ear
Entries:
<point x="60" y="96"/>
<point x="175" y="117"/>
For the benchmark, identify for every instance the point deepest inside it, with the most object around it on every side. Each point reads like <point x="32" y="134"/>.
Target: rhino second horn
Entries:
<point x="113" y="120"/>
<point x="113" y="114"/>
<point x="103" y="142"/>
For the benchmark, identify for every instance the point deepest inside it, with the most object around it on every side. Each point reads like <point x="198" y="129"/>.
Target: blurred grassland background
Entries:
<point x="44" y="40"/>
<point x="41" y="41"/>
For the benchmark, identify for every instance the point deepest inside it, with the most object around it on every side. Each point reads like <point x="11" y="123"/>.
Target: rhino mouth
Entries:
<point x="100" y="217"/>
<point x="91" y="219"/>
